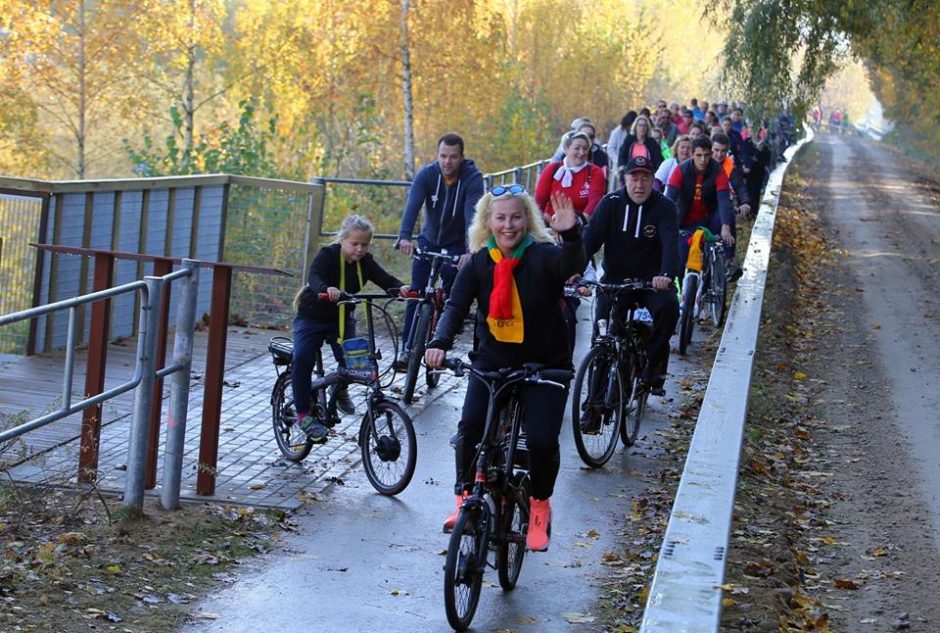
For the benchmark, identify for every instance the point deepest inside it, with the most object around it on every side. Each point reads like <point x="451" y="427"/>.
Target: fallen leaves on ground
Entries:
<point x="65" y="560"/>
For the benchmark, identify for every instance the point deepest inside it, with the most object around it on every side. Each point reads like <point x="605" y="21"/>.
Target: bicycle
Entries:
<point x="609" y="396"/>
<point x="424" y="322"/>
<point x="705" y="287"/>
<point x="386" y="435"/>
<point x="495" y="516"/>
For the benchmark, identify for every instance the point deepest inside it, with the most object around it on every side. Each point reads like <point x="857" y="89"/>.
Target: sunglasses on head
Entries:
<point x="512" y="190"/>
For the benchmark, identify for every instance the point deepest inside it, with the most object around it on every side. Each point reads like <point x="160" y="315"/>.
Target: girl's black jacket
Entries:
<point x="540" y="278"/>
<point x="325" y="272"/>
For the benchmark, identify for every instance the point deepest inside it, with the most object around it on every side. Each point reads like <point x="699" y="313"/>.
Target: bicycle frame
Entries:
<point x="621" y="334"/>
<point x="431" y="293"/>
<point x="321" y="381"/>
<point x="712" y="251"/>
<point x="374" y="387"/>
<point x="487" y="479"/>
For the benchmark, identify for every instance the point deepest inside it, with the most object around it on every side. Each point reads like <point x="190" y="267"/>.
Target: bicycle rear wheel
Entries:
<point x="687" y="318"/>
<point x="597" y="406"/>
<point x="389" y="447"/>
<point x="419" y="339"/>
<point x="463" y="568"/>
<point x="292" y="442"/>
<point x="718" y="289"/>
<point x="515" y="524"/>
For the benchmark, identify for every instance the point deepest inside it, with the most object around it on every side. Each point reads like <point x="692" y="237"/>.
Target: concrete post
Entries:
<point x="179" y="388"/>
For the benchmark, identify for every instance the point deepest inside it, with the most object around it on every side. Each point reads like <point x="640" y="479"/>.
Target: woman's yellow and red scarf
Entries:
<point x="505" y="315"/>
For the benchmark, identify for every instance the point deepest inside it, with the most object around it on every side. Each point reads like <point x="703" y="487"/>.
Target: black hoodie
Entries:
<point x="640" y="240"/>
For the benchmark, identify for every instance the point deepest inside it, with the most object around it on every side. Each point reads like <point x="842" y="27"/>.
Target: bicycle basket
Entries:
<point x="358" y="361"/>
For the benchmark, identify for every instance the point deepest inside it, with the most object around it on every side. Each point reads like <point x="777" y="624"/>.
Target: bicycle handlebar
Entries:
<point x="626" y="284"/>
<point x="531" y="372"/>
<point x="448" y="259"/>
<point x="345" y="297"/>
<point x="421" y="253"/>
<point x="687" y="233"/>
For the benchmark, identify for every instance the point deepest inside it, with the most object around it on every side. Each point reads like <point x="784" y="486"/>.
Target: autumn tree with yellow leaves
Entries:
<point x="334" y="76"/>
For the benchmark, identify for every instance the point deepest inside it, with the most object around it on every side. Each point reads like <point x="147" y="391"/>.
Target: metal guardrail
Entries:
<point x="67" y="408"/>
<point x="145" y="372"/>
<point x="526" y="175"/>
<point x="685" y="595"/>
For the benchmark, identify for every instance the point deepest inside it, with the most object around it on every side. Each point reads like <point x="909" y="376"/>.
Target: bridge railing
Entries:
<point x="685" y="594"/>
<point x="527" y="175"/>
<point x="215" y="217"/>
<point x="239" y="219"/>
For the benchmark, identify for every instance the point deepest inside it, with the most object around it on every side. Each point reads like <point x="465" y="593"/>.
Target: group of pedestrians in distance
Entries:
<point x="664" y="169"/>
<point x="838" y="121"/>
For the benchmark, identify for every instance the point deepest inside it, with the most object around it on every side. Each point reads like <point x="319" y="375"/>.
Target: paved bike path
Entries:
<point x="363" y="562"/>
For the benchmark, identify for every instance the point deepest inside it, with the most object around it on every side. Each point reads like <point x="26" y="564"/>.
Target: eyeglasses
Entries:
<point x="512" y="190"/>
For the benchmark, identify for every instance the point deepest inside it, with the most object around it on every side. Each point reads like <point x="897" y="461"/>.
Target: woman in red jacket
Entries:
<point x="573" y="177"/>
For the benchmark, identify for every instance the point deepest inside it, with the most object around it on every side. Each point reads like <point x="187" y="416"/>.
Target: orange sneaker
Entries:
<point x="540" y="525"/>
<point x="451" y="519"/>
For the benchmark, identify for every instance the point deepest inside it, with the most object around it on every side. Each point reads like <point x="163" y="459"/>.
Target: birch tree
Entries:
<point x="409" y="113"/>
<point x="69" y="60"/>
<point x="179" y="54"/>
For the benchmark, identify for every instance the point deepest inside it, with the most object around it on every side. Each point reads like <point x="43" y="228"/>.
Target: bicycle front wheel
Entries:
<point x="719" y="289"/>
<point x="432" y="377"/>
<point x="636" y="405"/>
<point x="515" y="524"/>
<point x="293" y="443"/>
<point x="389" y="447"/>
<point x="419" y="338"/>
<point x="597" y="406"/>
<point x="687" y="318"/>
<point x="463" y="568"/>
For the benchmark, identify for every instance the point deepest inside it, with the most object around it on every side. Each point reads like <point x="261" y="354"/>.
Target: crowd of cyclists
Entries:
<point x="836" y="123"/>
<point x="665" y="169"/>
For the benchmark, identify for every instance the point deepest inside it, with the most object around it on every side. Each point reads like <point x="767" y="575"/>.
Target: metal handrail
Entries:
<point x="514" y="170"/>
<point x="67" y="408"/>
<point x="685" y="594"/>
<point x="155" y="182"/>
<point x="151" y="289"/>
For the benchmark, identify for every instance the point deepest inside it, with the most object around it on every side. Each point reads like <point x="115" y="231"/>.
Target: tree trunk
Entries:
<point x="189" y="106"/>
<point x="406" y="88"/>
<point x="82" y="71"/>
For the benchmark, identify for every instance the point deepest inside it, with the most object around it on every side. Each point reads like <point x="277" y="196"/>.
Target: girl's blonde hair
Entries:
<point x="353" y="223"/>
<point x="349" y="224"/>
<point x="479" y="232"/>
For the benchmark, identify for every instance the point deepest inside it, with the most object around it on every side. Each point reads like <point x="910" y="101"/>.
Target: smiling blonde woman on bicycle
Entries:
<point x="517" y="275"/>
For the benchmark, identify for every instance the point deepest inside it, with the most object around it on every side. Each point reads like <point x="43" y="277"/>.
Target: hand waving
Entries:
<point x="565" y="217"/>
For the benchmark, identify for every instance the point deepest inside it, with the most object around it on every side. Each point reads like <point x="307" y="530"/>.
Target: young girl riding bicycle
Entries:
<point x="343" y="266"/>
